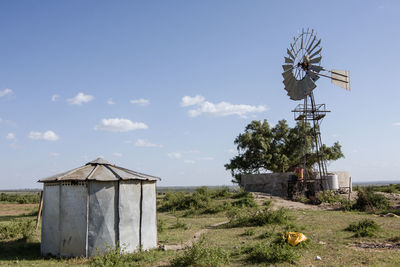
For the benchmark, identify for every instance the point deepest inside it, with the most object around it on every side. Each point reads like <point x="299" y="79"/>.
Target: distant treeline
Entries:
<point x="21" y="198"/>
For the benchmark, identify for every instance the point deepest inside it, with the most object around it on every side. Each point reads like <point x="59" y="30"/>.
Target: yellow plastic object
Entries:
<point x="295" y="238"/>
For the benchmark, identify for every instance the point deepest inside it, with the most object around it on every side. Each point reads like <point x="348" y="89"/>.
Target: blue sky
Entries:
<point x="82" y="79"/>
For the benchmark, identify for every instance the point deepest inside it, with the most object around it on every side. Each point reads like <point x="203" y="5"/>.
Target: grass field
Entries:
<point x="226" y="246"/>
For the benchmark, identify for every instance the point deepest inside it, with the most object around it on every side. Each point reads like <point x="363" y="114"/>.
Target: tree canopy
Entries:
<point x="277" y="149"/>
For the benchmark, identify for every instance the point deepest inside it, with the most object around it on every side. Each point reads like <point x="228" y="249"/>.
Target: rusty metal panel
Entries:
<point x="149" y="219"/>
<point x="50" y="220"/>
<point x="73" y="220"/>
<point x="103" y="216"/>
<point x="129" y="215"/>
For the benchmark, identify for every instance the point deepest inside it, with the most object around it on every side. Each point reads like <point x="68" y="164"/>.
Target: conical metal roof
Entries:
<point x="99" y="170"/>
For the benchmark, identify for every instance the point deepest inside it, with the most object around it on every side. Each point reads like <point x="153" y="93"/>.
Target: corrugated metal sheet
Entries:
<point x="99" y="170"/>
<point x="51" y="216"/>
<point x="149" y="218"/>
<point x="103" y="217"/>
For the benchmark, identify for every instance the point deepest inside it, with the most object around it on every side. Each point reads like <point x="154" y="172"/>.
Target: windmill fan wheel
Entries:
<point x="301" y="65"/>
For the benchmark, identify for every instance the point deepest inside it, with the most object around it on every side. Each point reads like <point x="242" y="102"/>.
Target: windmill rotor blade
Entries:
<point x="316" y="53"/>
<point x="315" y="60"/>
<point x="341" y="78"/>
<point x="287" y="74"/>
<point x="310" y="51"/>
<point x="287" y="67"/>
<point x="315" y="38"/>
<point x="290" y="54"/>
<point x="309" y="85"/>
<point x="313" y="75"/>
<point x="288" y="60"/>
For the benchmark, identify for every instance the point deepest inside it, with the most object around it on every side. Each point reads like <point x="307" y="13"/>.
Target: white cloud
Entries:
<point x="54" y="98"/>
<point x="47" y="136"/>
<point x="110" y="101"/>
<point x="116" y="154"/>
<point x="140" y="102"/>
<point x="396" y="123"/>
<point x="10" y="136"/>
<point x="175" y="155"/>
<point x="188" y="161"/>
<point x="80" y="98"/>
<point x="119" y="125"/>
<point x="54" y="154"/>
<point x="218" y="109"/>
<point x="5" y="92"/>
<point x="191" y="101"/>
<point x="145" y="143"/>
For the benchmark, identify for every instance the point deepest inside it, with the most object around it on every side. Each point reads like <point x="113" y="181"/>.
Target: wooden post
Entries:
<point x="40" y="210"/>
<point x="349" y="187"/>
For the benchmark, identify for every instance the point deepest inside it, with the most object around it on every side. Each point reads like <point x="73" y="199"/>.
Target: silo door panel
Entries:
<point x="73" y="225"/>
<point x="103" y="198"/>
<point x="129" y="215"/>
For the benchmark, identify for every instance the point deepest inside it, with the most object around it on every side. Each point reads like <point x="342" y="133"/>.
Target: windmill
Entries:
<point x="301" y="70"/>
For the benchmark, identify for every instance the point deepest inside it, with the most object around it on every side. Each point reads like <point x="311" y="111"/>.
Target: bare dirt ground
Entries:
<point x="279" y="202"/>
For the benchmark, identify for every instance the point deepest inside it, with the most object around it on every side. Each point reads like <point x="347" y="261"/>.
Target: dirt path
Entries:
<point x="193" y="240"/>
<point x="279" y="202"/>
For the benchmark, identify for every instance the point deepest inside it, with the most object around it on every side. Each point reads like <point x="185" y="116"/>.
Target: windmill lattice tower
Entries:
<point x="301" y="70"/>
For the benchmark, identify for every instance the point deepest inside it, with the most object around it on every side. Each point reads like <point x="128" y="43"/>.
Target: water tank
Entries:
<point x="333" y="181"/>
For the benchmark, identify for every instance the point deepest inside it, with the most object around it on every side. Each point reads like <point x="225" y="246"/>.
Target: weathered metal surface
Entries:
<point x="99" y="170"/>
<point x="103" y="216"/>
<point x="50" y="220"/>
<point x="73" y="223"/>
<point x="149" y="221"/>
<point x="129" y="215"/>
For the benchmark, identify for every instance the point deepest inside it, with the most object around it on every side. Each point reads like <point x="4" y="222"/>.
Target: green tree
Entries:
<point x="278" y="149"/>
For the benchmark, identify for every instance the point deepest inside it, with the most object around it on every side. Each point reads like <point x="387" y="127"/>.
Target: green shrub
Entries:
<point x="21" y="229"/>
<point x="201" y="255"/>
<point x="328" y="196"/>
<point x="223" y="192"/>
<point x="257" y="217"/>
<point x="368" y="200"/>
<point x="114" y="256"/>
<point x="364" y="228"/>
<point x="240" y="194"/>
<point x="346" y="204"/>
<point x="179" y="225"/>
<point x="246" y="202"/>
<point x="218" y="208"/>
<point x="248" y="232"/>
<point x="21" y="198"/>
<point x="270" y="253"/>
<point x="160" y="226"/>
<point x="181" y="201"/>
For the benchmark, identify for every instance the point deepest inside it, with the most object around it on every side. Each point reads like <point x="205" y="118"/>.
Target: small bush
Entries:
<point x="218" y="208"/>
<point x="179" y="225"/>
<point x="115" y="257"/>
<point x="257" y="217"/>
<point x="328" y="197"/>
<point x="270" y="253"/>
<point x="346" y="204"/>
<point x="223" y="192"/>
<point x="201" y="255"/>
<point x="364" y="228"/>
<point x="368" y="200"/>
<point x="160" y="226"/>
<point x="246" y="202"/>
<point x="240" y="194"/>
<point x="181" y="201"/>
<point x="21" y="229"/>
